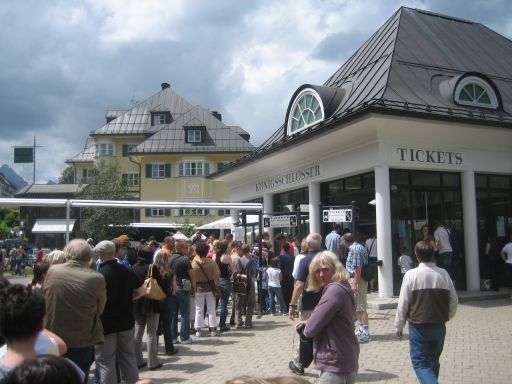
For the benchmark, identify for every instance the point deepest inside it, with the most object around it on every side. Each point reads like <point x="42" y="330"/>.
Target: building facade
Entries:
<point x="414" y="128"/>
<point x="165" y="148"/>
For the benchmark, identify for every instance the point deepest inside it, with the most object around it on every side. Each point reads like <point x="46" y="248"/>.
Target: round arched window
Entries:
<point x="306" y="111"/>
<point x="476" y="92"/>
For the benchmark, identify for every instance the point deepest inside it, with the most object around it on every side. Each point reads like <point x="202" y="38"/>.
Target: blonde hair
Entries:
<point x="326" y="259"/>
<point x="304" y="247"/>
<point x="162" y="263"/>
<point x="56" y="257"/>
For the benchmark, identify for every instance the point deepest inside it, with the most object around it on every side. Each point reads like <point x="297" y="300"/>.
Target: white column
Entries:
<point x="268" y="207"/>
<point x="234" y="218"/>
<point x="470" y="231"/>
<point x="383" y="218"/>
<point x="314" y="207"/>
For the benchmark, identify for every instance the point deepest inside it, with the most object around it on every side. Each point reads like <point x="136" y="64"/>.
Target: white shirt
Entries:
<point x="372" y="243"/>
<point x="405" y="263"/>
<point x="296" y="263"/>
<point x="441" y="235"/>
<point x="507" y="249"/>
<point x="273" y="277"/>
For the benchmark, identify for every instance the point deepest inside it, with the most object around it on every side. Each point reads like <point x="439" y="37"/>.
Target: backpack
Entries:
<point x="369" y="270"/>
<point x="453" y="241"/>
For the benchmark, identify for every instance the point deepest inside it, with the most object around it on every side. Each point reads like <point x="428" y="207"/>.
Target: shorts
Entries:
<point x="360" y="295"/>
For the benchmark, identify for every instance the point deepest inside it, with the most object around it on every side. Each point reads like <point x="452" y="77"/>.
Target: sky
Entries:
<point x="63" y="64"/>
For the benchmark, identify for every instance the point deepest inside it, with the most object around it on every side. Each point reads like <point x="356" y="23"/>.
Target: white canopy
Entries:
<point x="227" y="222"/>
<point x="52" y="226"/>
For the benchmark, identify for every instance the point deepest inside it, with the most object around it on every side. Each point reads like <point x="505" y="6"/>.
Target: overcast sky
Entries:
<point x="63" y="64"/>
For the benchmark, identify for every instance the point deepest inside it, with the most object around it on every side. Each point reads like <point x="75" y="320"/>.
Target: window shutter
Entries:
<point x="167" y="212"/>
<point x="148" y="212"/>
<point x="84" y="173"/>
<point x="167" y="170"/>
<point x="124" y="179"/>
<point x="206" y="169"/>
<point x="125" y="150"/>
<point x="148" y="171"/>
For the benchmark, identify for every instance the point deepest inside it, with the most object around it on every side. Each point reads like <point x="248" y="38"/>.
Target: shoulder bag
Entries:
<point x="215" y="289"/>
<point x="369" y="270"/>
<point x="153" y="290"/>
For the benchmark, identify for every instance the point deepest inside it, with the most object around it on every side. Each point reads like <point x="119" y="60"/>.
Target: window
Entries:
<point x="193" y="212"/>
<point x="130" y="179"/>
<point x="224" y="212"/>
<point x="157" y="212"/>
<point x="475" y="92"/>
<point x="88" y="175"/>
<point x="158" y="171"/>
<point x="194" y="168"/>
<point x="104" y="149"/>
<point x="306" y="111"/>
<point x="158" y="118"/>
<point x="127" y="148"/>
<point x="194" y="136"/>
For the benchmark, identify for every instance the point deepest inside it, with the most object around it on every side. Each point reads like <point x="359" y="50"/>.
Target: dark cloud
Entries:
<point x="64" y="64"/>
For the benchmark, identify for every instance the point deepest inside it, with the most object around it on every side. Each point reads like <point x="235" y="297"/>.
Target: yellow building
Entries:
<point x="165" y="148"/>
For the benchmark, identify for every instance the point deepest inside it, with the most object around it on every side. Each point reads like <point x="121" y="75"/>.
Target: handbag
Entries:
<point x="215" y="289"/>
<point x="153" y="290"/>
<point x="305" y="347"/>
<point x="240" y="284"/>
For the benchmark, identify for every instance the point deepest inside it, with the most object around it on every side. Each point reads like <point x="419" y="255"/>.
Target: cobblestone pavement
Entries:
<point x="477" y="350"/>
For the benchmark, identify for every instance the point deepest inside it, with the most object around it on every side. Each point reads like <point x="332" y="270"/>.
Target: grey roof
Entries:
<point x="218" y="136"/>
<point x="400" y="68"/>
<point x="137" y="120"/>
<point x="46" y="189"/>
<point x="86" y="155"/>
<point x="112" y="114"/>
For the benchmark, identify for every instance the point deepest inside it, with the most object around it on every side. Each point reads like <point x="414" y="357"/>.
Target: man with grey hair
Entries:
<point x="123" y="286"/>
<point x="75" y="298"/>
<point x="309" y="299"/>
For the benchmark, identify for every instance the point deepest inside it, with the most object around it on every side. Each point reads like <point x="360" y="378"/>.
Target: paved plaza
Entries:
<point x="477" y="350"/>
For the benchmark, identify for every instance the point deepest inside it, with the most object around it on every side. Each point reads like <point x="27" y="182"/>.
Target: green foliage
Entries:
<point x="187" y="229"/>
<point x="105" y="223"/>
<point x="67" y="176"/>
<point x="9" y="218"/>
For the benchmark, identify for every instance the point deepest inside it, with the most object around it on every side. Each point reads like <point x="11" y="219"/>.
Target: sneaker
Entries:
<point x="175" y="341"/>
<point x="363" y="338"/>
<point x="188" y="341"/>
<point x="224" y="329"/>
<point x="272" y="314"/>
<point x="198" y="334"/>
<point x="214" y="333"/>
<point x="295" y="368"/>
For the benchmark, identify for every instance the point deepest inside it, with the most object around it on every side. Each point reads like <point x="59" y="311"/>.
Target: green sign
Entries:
<point x="23" y="155"/>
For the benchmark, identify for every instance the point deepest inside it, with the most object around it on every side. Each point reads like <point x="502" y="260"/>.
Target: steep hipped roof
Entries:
<point x="137" y="120"/>
<point x="218" y="137"/>
<point x="50" y="189"/>
<point x="87" y="154"/>
<point x="400" y="68"/>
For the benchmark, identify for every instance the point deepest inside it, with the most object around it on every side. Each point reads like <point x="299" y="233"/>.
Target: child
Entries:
<point x="274" y="277"/>
<point x="404" y="261"/>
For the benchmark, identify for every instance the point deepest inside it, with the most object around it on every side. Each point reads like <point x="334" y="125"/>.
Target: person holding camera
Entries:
<point x="331" y="325"/>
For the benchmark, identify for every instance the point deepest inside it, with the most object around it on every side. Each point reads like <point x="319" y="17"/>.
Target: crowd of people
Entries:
<point x="92" y="303"/>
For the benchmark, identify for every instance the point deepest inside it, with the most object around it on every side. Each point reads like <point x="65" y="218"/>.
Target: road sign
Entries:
<point x="280" y="221"/>
<point x="337" y="215"/>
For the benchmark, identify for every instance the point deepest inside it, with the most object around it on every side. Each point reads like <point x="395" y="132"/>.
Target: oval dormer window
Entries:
<point x="306" y="111"/>
<point x="475" y="92"/>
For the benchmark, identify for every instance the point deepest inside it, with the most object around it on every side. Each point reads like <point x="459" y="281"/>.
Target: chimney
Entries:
<point x="165" y="86"/>
<point x="217" y="115"/>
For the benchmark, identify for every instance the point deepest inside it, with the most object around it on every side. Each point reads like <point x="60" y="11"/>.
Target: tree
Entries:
<point x="9" y="217"/>
<point x="105" y="223"/>
<point x="67" y="176"/>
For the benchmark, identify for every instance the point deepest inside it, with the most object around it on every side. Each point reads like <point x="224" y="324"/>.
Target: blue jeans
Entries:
<point x="426" y="344"/>
<point x="184" y="308"/>
<point x="83" y="357"/>
<point x="272" y="293"/>
<point x="168" y="309"/>
<point x="226" y="288"/>
<point x="444" y="260"/>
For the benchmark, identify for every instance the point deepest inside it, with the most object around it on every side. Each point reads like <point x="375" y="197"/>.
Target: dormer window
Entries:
<point x="475" y="92"/>
<point x="158" y="118"/>
<point x="306" y="111"/>
<point x="193" y="136"/>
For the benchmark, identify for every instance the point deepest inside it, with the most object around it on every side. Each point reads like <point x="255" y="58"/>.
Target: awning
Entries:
<point x="52" y="226"/>
<point x="226" y="222"/>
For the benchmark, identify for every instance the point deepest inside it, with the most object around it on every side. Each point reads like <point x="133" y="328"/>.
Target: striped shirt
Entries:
<point x="357" y="257"/>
